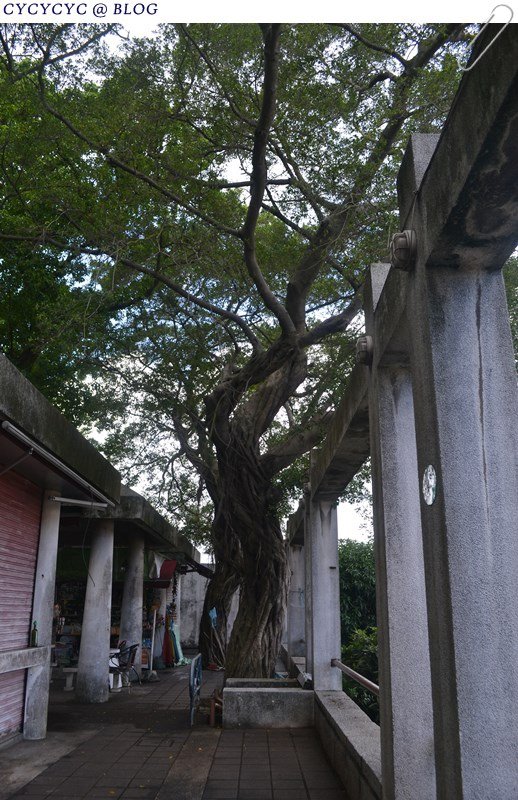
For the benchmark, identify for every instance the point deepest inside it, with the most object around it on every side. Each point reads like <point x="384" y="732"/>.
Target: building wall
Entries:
<point x="193" y="587"/>
<point x="191" y="607"/>
<point x="20" y="514"/>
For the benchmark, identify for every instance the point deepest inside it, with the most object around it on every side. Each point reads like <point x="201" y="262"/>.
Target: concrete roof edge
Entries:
<point x="136" y="509"/>
<point x="27" y="409"/>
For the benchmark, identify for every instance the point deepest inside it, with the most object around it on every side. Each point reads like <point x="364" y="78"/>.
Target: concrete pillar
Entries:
<point x="179" y="581"/>
<point x="296" y="617"/>
<point x="132" y="597"/>
<point x="160" y="631"/>
<point x="93" y="666"/>
<point x="325" y="593"/>
<point x="38" y="678"/>
<point x="466" y="407"/>
<point x="407" y="747"/>
<point x="307" y="584"/>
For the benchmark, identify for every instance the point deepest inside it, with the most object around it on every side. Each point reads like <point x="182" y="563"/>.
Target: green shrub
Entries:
<point x="361" y="654"/>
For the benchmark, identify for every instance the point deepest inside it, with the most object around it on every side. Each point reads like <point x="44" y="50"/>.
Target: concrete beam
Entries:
<point x="469" y="193"/>
<point x="351" y="741"/>
<point x="346" y="446"/>
<point x="295" y="527"/>
<point x="389" y="346"/>
<point x="137" y="512"/>
<point x="308" y="566"/>
<point x="465" y="216"/>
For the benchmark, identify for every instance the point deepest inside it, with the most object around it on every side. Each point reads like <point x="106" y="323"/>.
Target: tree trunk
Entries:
<point x="256" y="635"/>
<point x="220" y="590"/>
<point x="213" y="637"/>
<point x="248" y="503"/>
<point x="247" y="500"/>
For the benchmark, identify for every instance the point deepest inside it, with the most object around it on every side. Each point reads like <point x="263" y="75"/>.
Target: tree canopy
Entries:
<point x="185" y="225"/>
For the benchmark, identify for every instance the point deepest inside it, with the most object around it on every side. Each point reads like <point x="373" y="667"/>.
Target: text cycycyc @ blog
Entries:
<point x="65" y="9"/>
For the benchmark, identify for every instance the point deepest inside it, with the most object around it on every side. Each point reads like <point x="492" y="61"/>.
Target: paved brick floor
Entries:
<point x="271" y="765"/>
<point x="141" y="746"/>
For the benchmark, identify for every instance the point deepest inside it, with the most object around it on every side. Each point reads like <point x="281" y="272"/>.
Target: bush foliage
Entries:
<point x="358" y="619"/>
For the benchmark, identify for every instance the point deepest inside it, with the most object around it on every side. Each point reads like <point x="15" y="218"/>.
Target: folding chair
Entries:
<point x="123" y="662"/>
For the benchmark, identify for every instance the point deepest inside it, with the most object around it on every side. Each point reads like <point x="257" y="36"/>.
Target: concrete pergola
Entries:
<point x="78" y="500"/>
<point x="132" y="523"/>
<point x="434" y="401"/>
<point x="41" y="447"/>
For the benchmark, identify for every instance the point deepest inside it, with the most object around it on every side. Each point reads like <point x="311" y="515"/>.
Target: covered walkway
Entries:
<point x="139" y="745"/>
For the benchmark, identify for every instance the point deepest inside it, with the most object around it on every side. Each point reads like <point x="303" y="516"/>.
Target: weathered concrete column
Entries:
<point x="38" y="678"/>
<point x="466" y="410"/>
<point x="132" y="597"/>
<point x="93" y="666"/>
<point x="407" y="746"/>
<point x="160" y="632"/>
<point x="308" y="612"/>
<point x="296" y="617"/>
<point x="325" y="589"/>
<point x="179" y="581"/>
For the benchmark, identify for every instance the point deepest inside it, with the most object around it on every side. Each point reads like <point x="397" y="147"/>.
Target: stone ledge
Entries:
<point x="267" y="708"/>
<point x="25" y="658"/>
<point x="352" y="743"/>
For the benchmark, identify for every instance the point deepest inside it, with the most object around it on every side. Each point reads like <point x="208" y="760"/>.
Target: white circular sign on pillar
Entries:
<point x="429" y="485"/>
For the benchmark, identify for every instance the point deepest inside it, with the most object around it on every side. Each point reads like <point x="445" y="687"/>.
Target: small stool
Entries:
<point x="115" y="682"/>
<point x="70" y="673"/>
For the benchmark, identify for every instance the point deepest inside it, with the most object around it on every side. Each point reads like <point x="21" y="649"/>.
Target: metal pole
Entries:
<point x="152" y="642"/>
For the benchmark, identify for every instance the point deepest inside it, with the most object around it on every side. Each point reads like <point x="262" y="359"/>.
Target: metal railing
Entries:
<point x="355" y="676"/>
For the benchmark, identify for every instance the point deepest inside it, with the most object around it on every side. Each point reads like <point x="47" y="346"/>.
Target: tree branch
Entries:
<point x="259" y="411"/>
<point x="372" y="45"/>
<point x="297" y="442"/>
<point x="259" y="175"/>
<point x="332" y="228"/>
<point x="205" y="304"/>
<point x="100" y="251"/>
<point x="114" y="161"/>
<point x="244" y="184"/>
<point x="275" y="211"/>
<point x="316" y="201"/>
<point x="334" y="324"/>
<point x="213" y="71"/>
<point x="50" y="61"/>
<point x="384" y="75"/>
<point x="203" y="469"/>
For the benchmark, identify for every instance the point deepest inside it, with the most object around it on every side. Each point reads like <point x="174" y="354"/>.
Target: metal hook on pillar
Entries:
<point x="495" y="37"/>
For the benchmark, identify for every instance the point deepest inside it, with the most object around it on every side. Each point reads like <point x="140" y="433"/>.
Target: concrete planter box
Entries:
<point x="262" y="683"/>
<point x="267" y="704"/>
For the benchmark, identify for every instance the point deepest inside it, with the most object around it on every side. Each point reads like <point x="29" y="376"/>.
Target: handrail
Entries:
<point x="365" y="682"/>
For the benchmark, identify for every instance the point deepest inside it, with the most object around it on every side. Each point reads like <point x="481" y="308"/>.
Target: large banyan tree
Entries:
<point x="185" y="224"/>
